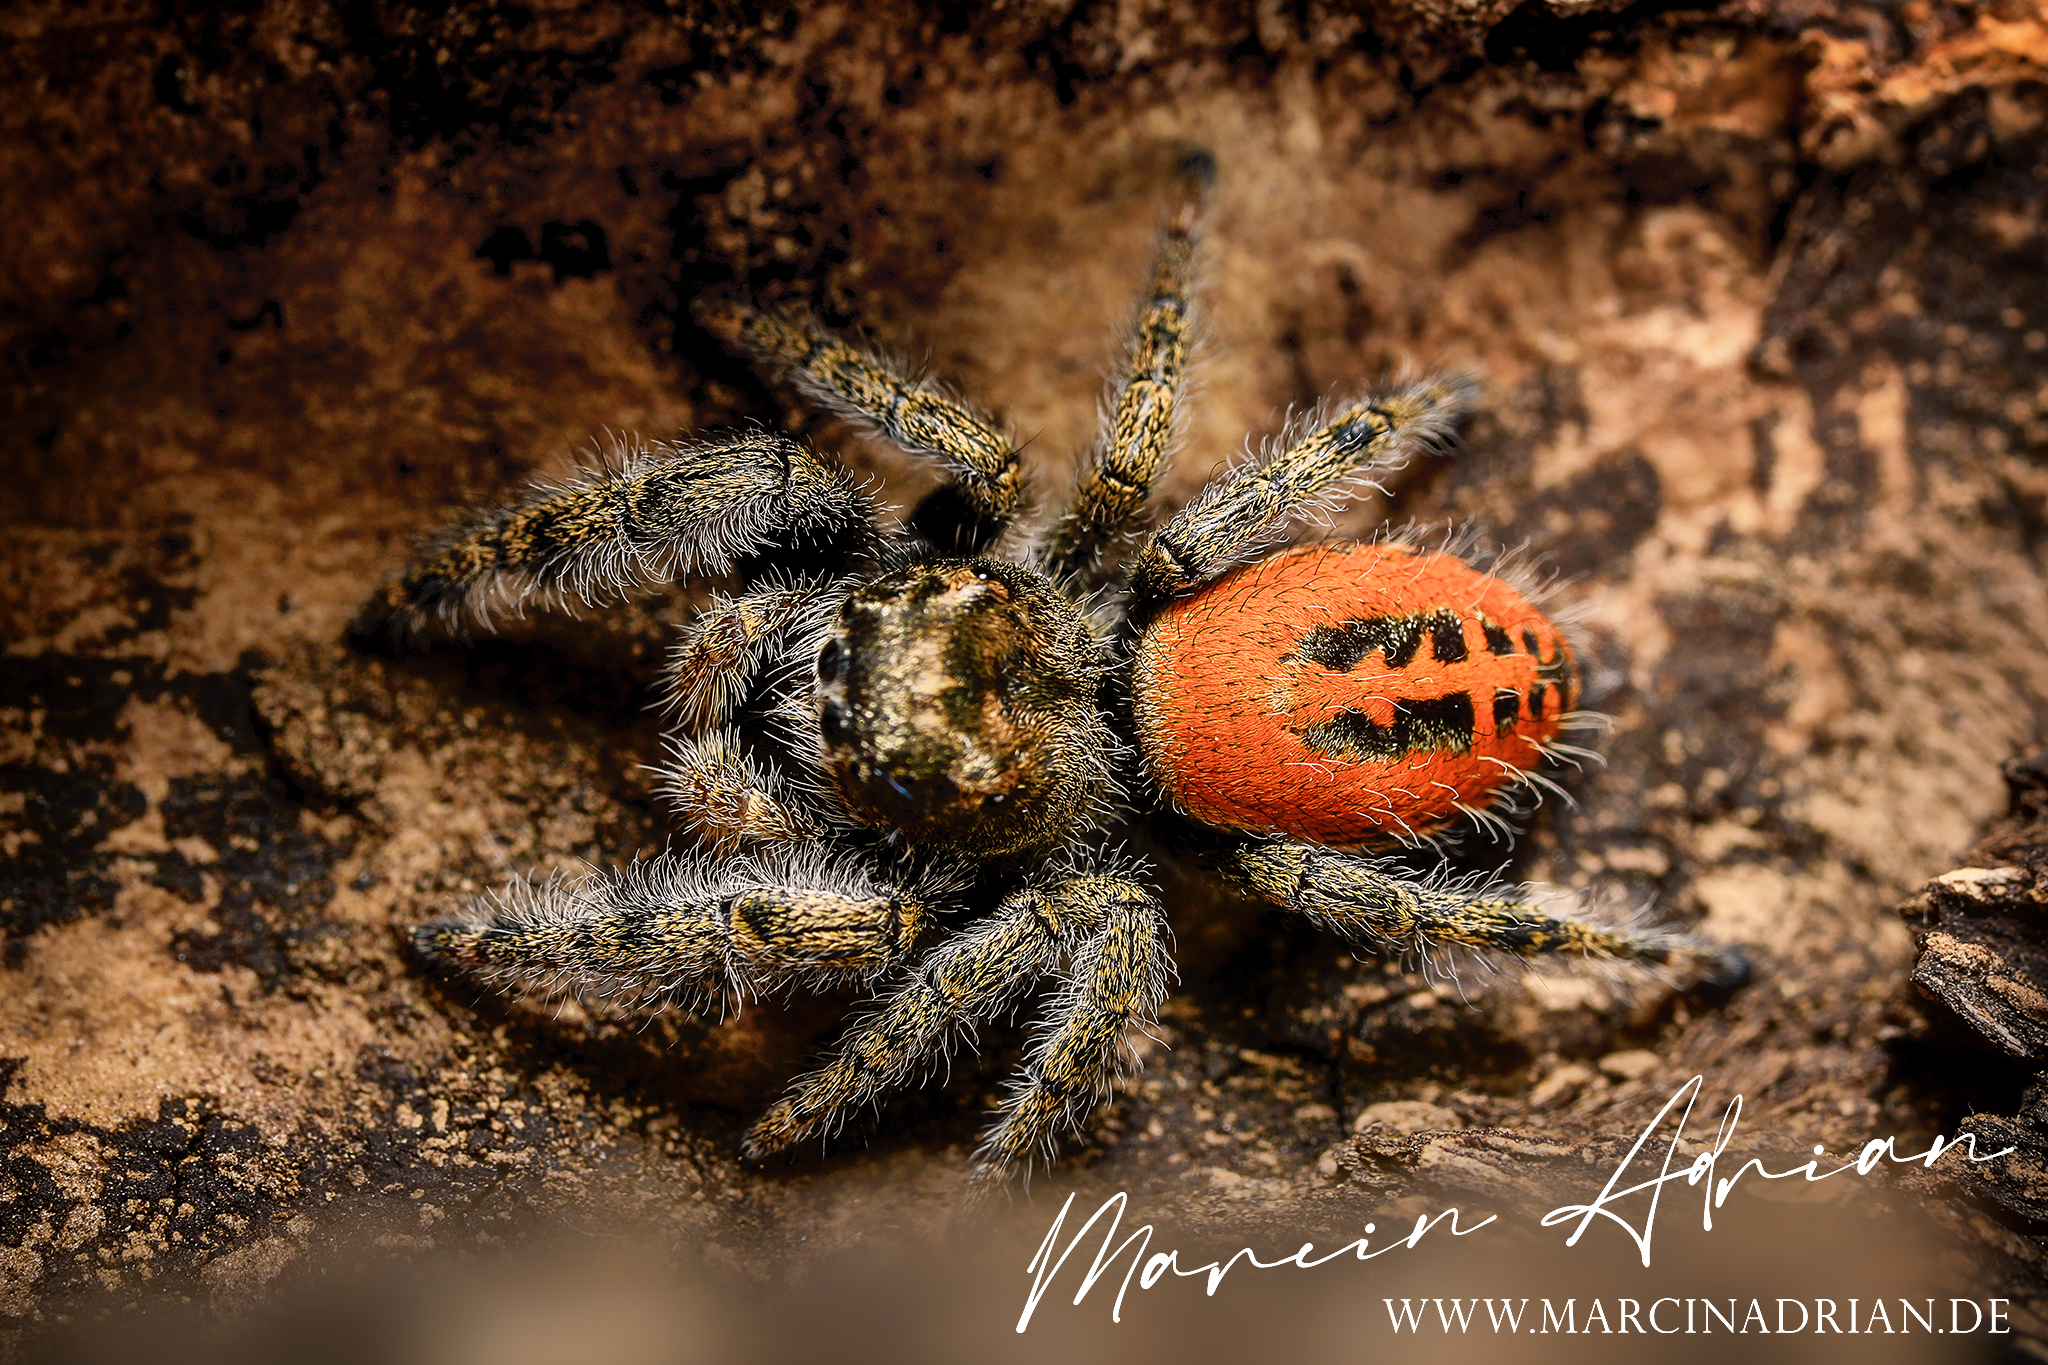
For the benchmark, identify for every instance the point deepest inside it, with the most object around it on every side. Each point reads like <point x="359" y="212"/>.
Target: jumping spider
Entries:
<point x="972" y="707"/>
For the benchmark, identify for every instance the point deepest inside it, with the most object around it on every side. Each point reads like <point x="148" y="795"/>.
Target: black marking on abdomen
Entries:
<point x="1342" y="647"/>
<point x="1539" y="695"/>
<point x="1507" y="709"/>
<point x="1498" y="641"/>
<point x="1560" y="673"/>
<point x="1447" y="638"/>
<point x="1440" y="724"/>
<point x="1397" y="639"/>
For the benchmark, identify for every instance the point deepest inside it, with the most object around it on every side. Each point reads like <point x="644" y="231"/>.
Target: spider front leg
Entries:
<point x="686" y="929"/>
<point x="1336" y="457"/>
<point x="659" y="511"/>
<point x="1112" y="934"/>
<point x="1141" y="423"/>
<point x="1385" y="912"/>
<point x="915" y="415"/>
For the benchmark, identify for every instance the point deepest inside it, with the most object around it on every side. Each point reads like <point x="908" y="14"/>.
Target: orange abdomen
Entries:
<point x="1348" y="694"/>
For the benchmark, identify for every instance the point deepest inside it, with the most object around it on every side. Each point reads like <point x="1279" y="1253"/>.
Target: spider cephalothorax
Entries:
<point x="956" y="704"/>
<point x="979" y="716"/>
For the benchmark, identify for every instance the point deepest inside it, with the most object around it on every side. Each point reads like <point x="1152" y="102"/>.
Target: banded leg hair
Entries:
<point x="1339" y="455"/>
<point x="657" y="511"/>
<point x="1141" y="427"/>
<point x="719" y="792"/>
<point x="1110" y="933"/>
<point x="1385" y="912"/>
<point x="729" y="643"/>
<point x="915" y="415"/>
<point x="685" y="929"/>
<point x="729" y="801"/>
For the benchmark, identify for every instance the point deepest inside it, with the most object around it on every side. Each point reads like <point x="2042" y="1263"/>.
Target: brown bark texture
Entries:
<point x="1759" y="297"/>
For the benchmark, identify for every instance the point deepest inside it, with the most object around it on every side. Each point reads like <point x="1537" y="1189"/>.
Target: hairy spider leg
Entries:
<point x="1337" y="457"/>
<point x="916" y="415"/>
<point x="1385" y="912"/>
<point x="727" y="645"/>
<point x="1111" y="931"/>
<point x="655" y="511"/>
<point x="727" y="799"/>
<point x="686" y="929"/>
<point x="1144" y="404"/>
<point x="718" y="789"/>
<point x="1115" y="982"/>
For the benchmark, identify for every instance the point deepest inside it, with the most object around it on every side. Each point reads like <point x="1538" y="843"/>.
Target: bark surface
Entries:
<point x="1759" y="297"/>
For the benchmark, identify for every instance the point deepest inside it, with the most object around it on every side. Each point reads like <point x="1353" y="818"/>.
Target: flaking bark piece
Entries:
<point x="1982" y="928"/>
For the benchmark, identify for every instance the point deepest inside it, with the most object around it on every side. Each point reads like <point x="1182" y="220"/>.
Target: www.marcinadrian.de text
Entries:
<point x="1700" y="1317"/>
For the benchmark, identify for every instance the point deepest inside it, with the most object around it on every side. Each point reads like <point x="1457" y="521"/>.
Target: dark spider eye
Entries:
<point x="832" y="721"/>
<point x="830" y="660"/>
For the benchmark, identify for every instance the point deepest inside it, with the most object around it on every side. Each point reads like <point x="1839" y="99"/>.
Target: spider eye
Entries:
<point x="831" y="661"/>
<point x="832" y="723"/>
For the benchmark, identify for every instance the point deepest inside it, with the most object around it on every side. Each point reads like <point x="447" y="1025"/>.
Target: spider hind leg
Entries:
<point x="1385" y="911"/>
<point x="1109" y="931"/>
<point x="1334" y="458"/>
